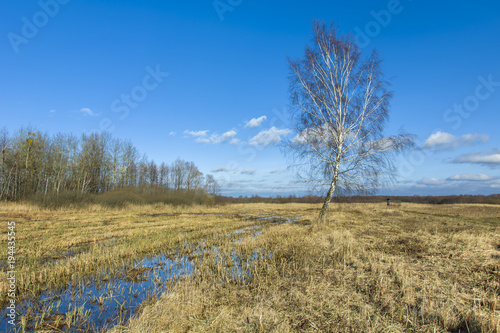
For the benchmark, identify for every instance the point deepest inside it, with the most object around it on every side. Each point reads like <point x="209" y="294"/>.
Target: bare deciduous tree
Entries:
<point x="340" y="104"/>
<point x="33" y="164"/>
<point x="164" y="176"/>
<point x="211" y="185"/>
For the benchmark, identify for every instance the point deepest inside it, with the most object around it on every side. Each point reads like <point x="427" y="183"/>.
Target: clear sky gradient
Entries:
<point x="207" y="81"/>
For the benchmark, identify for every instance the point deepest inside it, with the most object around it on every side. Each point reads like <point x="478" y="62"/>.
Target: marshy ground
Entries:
<point x="259" y="268"/>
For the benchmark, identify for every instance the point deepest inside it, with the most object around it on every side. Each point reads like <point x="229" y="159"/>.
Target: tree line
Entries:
<point x="33" y="163"/>
<point x="428" y="199"/>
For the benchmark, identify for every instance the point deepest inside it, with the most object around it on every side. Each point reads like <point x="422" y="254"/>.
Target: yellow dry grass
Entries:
<point x="53" y="247"/>
<point x="417" y="268"/>
<point x="411" y="268"/>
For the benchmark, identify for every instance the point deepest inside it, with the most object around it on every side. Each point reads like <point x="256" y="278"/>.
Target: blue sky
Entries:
<point x="207" y="81"/>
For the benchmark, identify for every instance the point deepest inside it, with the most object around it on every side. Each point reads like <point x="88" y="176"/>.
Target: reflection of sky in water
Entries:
<point x="107" y="303"/>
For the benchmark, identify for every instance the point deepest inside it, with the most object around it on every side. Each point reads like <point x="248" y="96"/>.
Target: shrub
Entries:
<point x="62" y="199"/>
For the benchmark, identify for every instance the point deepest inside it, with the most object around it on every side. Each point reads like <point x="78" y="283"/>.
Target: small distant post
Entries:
<point x="388" y="202"/>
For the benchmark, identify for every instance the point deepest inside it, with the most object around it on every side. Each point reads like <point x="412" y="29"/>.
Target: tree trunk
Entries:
<point x="329" y="195"/>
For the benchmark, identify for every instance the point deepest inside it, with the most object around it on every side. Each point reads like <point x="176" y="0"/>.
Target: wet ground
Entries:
<point x="97" y="305"/>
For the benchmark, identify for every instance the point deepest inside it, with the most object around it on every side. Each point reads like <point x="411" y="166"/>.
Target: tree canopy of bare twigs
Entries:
<point x="340" y="103"/>
<point x="34" y="164"/>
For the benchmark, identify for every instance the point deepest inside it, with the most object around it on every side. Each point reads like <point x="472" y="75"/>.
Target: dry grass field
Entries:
<point x="410" y="268"/>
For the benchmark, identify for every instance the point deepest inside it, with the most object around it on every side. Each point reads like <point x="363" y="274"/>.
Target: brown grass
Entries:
<point x="414" y="268"/>
<point x="53" y="247"/>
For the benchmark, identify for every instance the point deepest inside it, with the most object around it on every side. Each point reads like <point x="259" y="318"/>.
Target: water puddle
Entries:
<point x="179" y="214"/>
<point x="96" y="305"/>
<point x="92" y="306"/>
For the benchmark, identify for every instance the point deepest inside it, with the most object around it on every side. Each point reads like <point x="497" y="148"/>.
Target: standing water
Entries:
<point x="94" y="305"/>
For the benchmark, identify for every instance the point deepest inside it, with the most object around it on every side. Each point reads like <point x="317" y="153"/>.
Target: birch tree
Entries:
<point x="4" y="170"/>
<point x="340" y="104"/>
<point x="164" y="176"/>
<point x="35" y="165"/>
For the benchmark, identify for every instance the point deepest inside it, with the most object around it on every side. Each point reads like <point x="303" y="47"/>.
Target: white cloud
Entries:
<point x="267" y="137"/>
<point x="255" y="122"/>
<point x="171" y="133"/>
<point x="301" y="138"/>
<point x="202" y="140"/>
<point x="278" y="171"/>
<point x="439" y="139"/>
<point x="222" y="169"/>
<point x="471" y="177"/>
<point x="234" y="141"/>
<point x="197" y="133"/>
<point x="447" y="141"/>
<point x="472" y="139"/>
<point x="201" y="137"/>
<point x="431" y="181"/>
<point x="239" y="187"/>
<point x="248" y="172"/>
<point x="314" y="136"/>
<point x="495" y="184"/>
<point x="88" y="112"/>
<point x="214" y="138"/>
<point x="490" y="159"/>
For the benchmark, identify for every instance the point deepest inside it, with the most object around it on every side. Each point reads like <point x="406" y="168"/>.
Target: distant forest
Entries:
<point x="450" y="199"/>
<point x="36" y="166"/>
